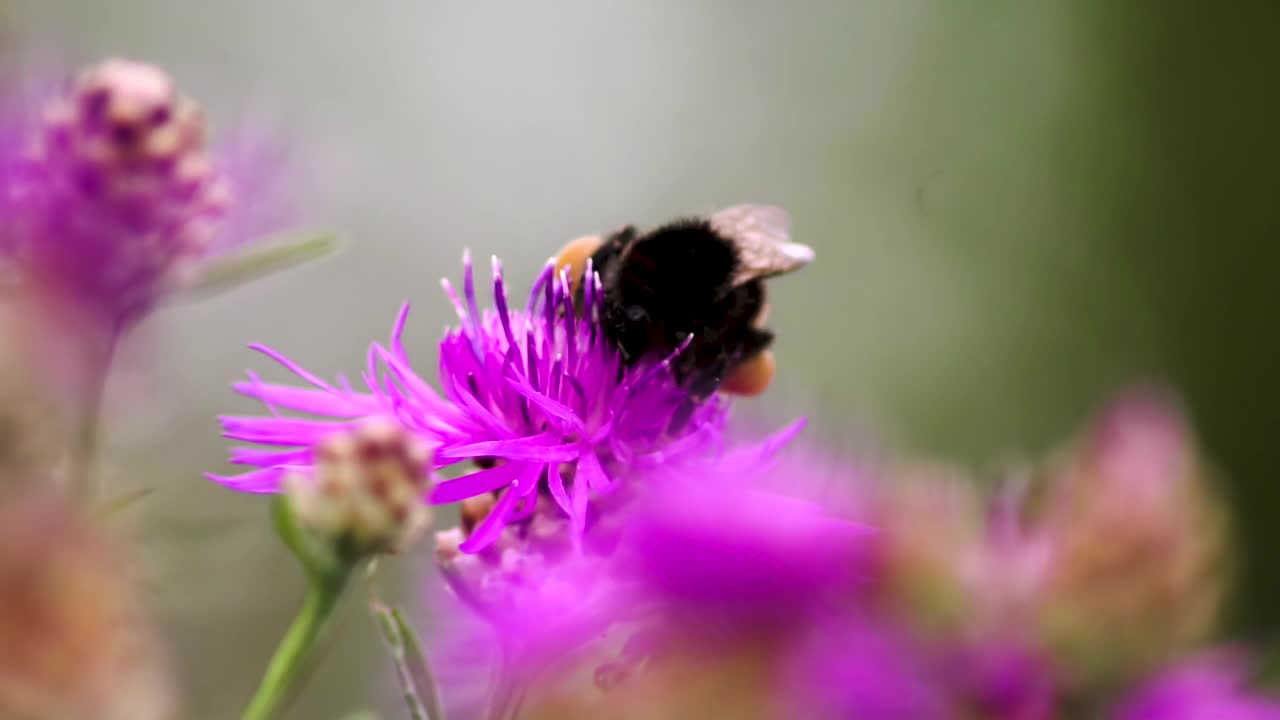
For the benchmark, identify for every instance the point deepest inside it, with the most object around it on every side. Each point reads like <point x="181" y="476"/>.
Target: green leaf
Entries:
<point x="416" y="660"/>
<point x="258" y="260"/>
<point x="122" y="502"/>
<point x="321" y="564"/>
<point x="416" y="680"/>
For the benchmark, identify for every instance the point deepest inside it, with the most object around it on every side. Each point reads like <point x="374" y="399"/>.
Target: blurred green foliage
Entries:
<point x="1017" y="207"/>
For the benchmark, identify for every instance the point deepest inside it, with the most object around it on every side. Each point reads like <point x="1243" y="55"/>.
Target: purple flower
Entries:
<point x="710" y="550"/>
<point x="536" y="397"/>
<point x="114" y="196"/>
<point x="725" y="555"/>
<point x="709" y="559"/>
<point x="1208" y="687"/>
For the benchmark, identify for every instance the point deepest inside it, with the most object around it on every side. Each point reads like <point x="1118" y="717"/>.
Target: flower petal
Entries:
<point x="476" y="483"/>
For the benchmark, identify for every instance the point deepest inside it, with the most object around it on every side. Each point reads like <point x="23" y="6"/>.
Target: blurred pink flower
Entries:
<point x="1137" y="540"/>
<point x="710" y="560"/>
<point x="1208" y="687"/>
<point x="723" y="555"/>
<point x="113" y="195"/>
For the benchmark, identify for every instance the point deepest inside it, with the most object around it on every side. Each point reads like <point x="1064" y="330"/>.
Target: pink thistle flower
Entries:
<point x="536" y="397"/>
<point x="726" y="557"/>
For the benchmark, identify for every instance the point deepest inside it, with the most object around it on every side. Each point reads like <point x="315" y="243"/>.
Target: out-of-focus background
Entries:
<point x="1017" y="207"/>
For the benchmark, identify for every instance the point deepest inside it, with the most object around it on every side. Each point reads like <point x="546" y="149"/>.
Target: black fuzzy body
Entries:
<point x="673" y="282"/>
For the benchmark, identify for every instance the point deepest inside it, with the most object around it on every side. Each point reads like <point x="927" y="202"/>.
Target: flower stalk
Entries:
<point x="289" y="662"/>
<point x="364" y="500"/>
<point x="327" y="574"/>
<point x="88" y="430"/>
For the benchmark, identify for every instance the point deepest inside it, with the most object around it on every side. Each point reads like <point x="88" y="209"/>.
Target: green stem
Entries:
<point x="89" y="423"/>
<point x="289" y="662"/>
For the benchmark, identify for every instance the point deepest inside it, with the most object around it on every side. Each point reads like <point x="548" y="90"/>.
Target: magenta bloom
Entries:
<point x="723" y="554"/>
<point x="536" y="397"/>
<point x="707" y="560"/>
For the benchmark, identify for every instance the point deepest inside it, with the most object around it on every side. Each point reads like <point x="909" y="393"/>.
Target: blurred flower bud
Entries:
<point x="1006" y="573"/>
<point x="931" y="534"/>
<point x="1137" y="541"/>
<point x="120" y="196"/>
<point x="367" y="493"/>
<point x="73" y="642"/>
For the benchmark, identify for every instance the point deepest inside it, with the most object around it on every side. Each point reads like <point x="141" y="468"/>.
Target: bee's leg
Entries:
<point x="574" y="256"/>
<point x="602" y="250"/>
<point x="752" y="376"/>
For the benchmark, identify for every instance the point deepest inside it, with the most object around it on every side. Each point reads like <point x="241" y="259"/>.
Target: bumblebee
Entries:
<point x="700" y="277"/>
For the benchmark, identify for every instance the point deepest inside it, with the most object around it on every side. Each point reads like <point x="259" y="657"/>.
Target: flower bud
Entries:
<point x="73" y="641"/>
<point x="366" y="495"/>
<point x="931" y="535"/>
<point x="1137" y="542"/>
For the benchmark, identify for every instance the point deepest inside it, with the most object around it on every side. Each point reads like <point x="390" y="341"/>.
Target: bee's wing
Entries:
<point x="761" y="234"/>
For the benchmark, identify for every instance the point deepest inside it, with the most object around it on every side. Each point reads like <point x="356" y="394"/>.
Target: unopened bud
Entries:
<point x="925" y="565"/>
<point x="1137" y="538"/>
<point x="367" y="491"/>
